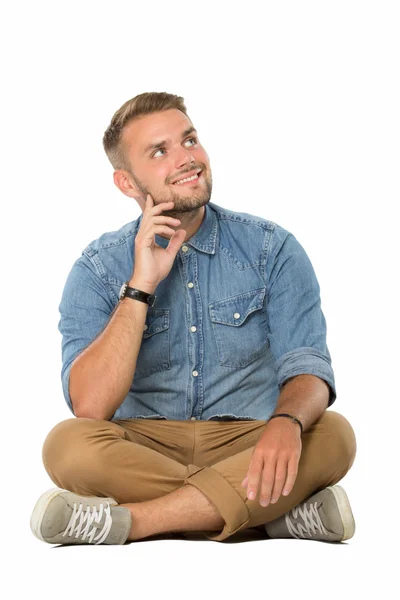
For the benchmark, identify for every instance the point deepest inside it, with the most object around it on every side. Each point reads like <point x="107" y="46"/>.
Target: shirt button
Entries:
<point x="192" y="418"/>
<point x="190" y="284"/>
<point x="194" y="373"/>
<point x="236" y="315"/>
<point x="145" y="327"/>
<point x="193" y="328"/>
<point x="185" y="248"/>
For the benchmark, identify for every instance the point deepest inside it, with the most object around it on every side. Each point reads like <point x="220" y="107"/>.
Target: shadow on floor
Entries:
<point x="244" y="535"/>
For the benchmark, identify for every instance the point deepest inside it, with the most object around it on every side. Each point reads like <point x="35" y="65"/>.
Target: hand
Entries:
<point x="152" y="262"/>
<point x="275" y="458"/>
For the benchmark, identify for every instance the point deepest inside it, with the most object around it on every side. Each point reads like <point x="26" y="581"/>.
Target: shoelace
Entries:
<point x="312" y="521"/>
<point x="91" y="519"/>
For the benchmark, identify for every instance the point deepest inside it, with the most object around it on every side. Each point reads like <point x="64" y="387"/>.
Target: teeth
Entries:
<point x="187" y="179"/>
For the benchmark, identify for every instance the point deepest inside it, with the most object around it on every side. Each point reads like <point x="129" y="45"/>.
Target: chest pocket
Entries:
<point x="240" y="328"/>
<point x="154" y="354"/>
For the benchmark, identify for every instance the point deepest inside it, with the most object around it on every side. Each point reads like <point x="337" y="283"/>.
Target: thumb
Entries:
<point x="175" y="242"/>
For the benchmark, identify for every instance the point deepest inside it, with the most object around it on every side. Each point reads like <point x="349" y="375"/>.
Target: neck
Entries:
<point x="192" y="221"/>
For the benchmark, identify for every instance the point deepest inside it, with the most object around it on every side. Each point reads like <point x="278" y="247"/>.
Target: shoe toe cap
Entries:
<point x="56" y="518"/>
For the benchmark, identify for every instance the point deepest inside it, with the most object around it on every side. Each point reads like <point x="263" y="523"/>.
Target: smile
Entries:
<point x="188" y="180"/>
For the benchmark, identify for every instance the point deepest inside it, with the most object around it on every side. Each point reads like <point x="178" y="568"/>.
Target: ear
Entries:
<point x="124" y="183"/>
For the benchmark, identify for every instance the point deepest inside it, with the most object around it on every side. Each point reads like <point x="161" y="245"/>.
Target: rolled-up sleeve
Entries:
<point x="296" y="324"/>
<point x="85" y="309"/>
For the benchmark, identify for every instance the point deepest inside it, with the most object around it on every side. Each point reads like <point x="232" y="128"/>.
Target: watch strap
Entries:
<point x="136" y="294"/>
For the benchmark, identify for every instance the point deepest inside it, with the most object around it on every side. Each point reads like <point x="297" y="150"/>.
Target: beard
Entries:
<point x="184" y="203"/>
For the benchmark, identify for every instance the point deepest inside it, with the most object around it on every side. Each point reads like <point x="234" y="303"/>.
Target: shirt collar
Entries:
<point x="205" y="238"/>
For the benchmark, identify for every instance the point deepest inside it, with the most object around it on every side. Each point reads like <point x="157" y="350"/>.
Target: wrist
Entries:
<point x="143" y="286"/>
<point x="285" y="417"/>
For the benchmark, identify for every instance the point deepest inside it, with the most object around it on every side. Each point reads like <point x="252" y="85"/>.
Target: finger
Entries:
<point x="245" y="480"/>
<point x="267" y="482"/>
<point x="162" y="219"/>
<point x="157" y="209"/>
<point x="254" y="476"/>
<point x="293" y="469"/>
<point x="176" y="242"/>
<point x="159" y="230"/>
<point x="280" y="478"/>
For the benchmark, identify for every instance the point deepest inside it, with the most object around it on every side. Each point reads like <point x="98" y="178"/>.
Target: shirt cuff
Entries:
<point x="306" y="361"/>
<point x="65" y="384"/>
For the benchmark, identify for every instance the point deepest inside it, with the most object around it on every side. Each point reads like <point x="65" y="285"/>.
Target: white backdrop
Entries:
<point x="297" y="105"/>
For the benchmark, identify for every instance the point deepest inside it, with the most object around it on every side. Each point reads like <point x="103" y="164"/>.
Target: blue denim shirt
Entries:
<point x="238" y="314"/>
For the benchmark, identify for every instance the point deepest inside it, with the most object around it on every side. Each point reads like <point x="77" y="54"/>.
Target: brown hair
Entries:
<point x="143" y="104"/>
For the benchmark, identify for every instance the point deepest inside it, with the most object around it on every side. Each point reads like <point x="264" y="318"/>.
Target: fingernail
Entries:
<point x="251" y="495"/>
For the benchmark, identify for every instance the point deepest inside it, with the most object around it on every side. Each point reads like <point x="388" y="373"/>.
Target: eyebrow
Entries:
<point x="165" y="142"/>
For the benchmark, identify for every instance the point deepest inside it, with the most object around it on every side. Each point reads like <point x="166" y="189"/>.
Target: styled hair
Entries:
<point x="143" y="104"/>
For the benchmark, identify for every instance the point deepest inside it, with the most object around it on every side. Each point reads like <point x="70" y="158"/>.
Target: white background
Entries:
<point x="297" y="105"/>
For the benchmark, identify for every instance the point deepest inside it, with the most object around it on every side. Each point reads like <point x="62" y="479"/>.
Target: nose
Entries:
<point x="184" y="158"/>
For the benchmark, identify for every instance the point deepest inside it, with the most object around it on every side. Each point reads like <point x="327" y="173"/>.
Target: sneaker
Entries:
<point x="324" y="516"/>
<point x="62" y="517"/>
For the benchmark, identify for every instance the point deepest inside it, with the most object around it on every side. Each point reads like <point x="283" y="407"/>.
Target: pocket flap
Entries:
<point x="235" y="309"/>
<point x="157" y="319"/>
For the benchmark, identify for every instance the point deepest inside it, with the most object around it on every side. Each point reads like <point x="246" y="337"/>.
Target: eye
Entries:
<point x="188" y="140"/>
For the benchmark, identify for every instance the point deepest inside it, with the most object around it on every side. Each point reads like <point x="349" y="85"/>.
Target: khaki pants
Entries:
<point x="134" y="460"/>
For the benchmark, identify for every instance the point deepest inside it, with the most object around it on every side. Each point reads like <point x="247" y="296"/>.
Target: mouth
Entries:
<point x="192" y="181"/>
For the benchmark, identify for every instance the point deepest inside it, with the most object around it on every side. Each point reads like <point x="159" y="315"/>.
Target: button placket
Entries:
<point x="190" y="269"/>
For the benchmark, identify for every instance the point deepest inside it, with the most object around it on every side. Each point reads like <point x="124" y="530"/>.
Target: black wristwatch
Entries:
<point x="135" y="294"/>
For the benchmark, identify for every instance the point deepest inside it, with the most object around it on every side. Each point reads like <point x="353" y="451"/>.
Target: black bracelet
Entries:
<point x="294" y="419"/>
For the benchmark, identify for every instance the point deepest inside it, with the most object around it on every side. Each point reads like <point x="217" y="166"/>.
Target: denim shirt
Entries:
<point x="238" y="314"/>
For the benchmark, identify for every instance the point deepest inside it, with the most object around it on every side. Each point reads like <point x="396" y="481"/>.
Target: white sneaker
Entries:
<point x="62" y="517"/>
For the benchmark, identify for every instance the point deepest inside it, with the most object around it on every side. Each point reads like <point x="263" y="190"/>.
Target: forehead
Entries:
<point x="148" y="129"/>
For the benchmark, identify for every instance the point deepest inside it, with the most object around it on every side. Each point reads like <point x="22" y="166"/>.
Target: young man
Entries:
<point x="185" y="334"/>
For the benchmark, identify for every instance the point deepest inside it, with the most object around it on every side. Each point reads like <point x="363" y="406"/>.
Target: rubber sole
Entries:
<point x="346" y="514"/>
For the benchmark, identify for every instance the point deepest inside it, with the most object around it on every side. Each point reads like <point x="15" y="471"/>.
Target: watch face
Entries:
<point x="122" y="290"/>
